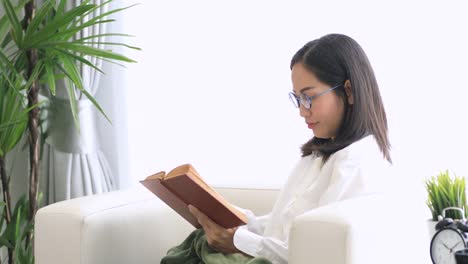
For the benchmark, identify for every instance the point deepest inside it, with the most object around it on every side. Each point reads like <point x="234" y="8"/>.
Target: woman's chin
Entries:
<point x="317" y="135"/>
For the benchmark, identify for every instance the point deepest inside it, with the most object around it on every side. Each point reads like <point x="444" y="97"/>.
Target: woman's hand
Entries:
<point x="219" y="238"/>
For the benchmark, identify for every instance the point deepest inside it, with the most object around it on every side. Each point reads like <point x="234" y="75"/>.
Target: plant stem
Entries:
<point x="6" y="190"/>
<point x="33" y="122"/>
<point x="6" y="197"/>
<point x="33" y="127"/>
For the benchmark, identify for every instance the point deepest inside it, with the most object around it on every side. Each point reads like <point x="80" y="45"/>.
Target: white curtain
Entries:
<point x="73" y="163"/>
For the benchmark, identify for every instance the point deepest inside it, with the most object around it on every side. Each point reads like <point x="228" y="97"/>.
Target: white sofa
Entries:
<point x="133" y="226"/>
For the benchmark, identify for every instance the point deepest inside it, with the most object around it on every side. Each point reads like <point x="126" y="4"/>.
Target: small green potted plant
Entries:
<point x="445" y="191"/>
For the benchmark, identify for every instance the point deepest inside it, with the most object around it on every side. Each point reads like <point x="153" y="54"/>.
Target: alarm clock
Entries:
<point x="451" y="237"/>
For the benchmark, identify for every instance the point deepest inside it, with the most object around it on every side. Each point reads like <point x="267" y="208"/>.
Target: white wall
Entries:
<point x="212" y="80"/>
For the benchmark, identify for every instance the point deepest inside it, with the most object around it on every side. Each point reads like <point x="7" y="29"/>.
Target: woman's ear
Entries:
<point x="349" y="94"/>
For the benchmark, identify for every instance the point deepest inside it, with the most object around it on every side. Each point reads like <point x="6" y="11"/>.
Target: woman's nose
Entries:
<point x="303" y="112"/>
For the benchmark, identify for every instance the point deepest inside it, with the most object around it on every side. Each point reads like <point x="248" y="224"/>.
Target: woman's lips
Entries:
<point x="311" y="125"/>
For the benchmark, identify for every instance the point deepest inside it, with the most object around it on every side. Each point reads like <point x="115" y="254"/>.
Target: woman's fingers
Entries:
<point x="218" y="238"/>
<point x="204" y="220"/>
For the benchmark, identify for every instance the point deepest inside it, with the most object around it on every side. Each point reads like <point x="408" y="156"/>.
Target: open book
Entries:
<point x="183" y="186"/>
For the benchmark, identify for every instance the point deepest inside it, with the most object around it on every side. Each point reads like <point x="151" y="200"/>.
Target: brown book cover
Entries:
<point x="183" y="186"/>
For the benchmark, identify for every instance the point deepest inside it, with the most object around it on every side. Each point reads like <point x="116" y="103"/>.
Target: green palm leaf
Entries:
<point x="80" y="59"/>
<point x="60" y="10"/>
<point x="104" y="35"/>
<point x="17" y="31"/>
<point x="73" y="105"/>
<point x="97" y="18"/>
<point x="13" y="117"/>
<point x="50" y="76"/>
<point x="5" y="23"/>
<point x="72" y="31"/>
<point x="72" y="72"/>
<point x="96" y="104"/>
<point x="57" y="22"/>
<point x="39" y="18"/>
<point x="107" y="43"/>
<point x="91" y="51"/>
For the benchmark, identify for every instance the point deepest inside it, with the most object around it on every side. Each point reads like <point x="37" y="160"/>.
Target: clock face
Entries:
<point x="444" y="244"/>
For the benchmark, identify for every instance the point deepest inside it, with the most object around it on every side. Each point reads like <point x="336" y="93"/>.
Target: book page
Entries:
<point x="179" y="170"/>
<point x="159" y="175"/>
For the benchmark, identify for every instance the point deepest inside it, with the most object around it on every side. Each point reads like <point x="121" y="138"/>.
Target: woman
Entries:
<point x="337" y="94"/>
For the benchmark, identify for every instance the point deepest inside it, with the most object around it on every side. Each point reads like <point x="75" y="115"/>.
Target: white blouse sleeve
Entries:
<point x="259" y="246"/>
<point x="249" y="239"/>
<point x="256" y="224"/>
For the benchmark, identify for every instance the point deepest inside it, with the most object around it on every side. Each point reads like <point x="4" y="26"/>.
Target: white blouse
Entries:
<point x="357" y="170"/>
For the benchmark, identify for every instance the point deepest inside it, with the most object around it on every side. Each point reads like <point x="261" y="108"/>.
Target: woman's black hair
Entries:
<point x="335" y="58"/>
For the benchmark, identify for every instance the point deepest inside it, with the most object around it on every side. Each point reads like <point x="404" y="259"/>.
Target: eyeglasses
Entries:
<point x="305" y="100"/>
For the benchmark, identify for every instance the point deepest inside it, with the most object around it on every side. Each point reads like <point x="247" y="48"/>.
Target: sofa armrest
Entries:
<point x="129" y="226"/>
<point x="371" y="229"/>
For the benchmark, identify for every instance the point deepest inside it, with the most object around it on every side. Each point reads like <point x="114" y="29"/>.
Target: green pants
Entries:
<point x="195" y="250"/>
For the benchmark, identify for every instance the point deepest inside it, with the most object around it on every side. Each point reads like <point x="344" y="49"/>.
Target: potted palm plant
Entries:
<point x="39" y="46"/>
<point x="445" y="191"/>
